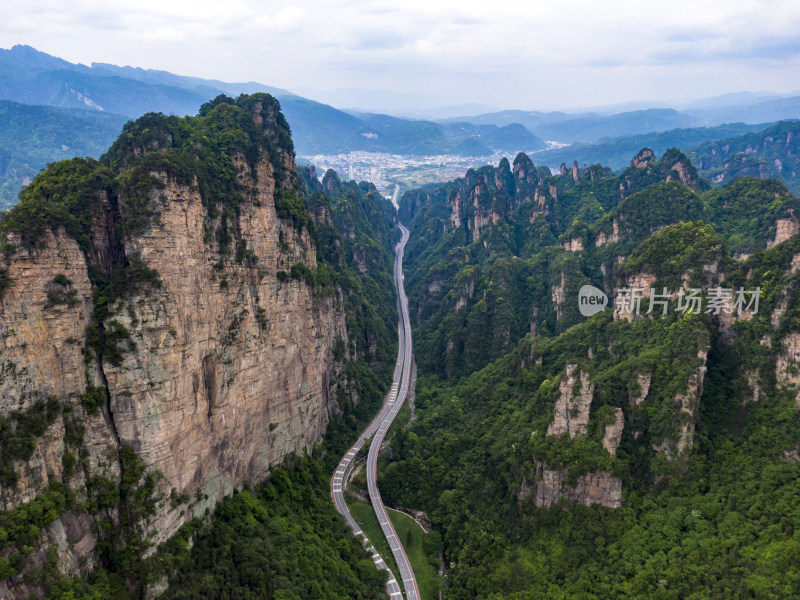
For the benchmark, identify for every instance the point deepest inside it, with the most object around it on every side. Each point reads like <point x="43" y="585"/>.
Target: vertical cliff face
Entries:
<point x="571" y="417"/>
<point x="571" y="412"/>
<point x="231" y="364"/>
<point x="179" y="318"/>
<point x="598" y="487"/>
<point x="42" y="335"/>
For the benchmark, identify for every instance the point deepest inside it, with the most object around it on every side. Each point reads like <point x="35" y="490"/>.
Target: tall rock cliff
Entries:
<point x="163" y="315"/>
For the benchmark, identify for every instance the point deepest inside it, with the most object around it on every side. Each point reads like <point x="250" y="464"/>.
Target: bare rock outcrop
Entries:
<point x="687" y="403"/>
<point x="30" y="322"/>
<point x="479" y="199"/>
<point x="571" y="412"/>
<point x="644" y="158"/>
<point x="643" y="379"/>
<point x="628" y="305"/>
<point x="225" y="368"/>
<point x="558" y="295"/>
<point x="784" y="229"/>
<point x="613" y="433"/>
<point x="602" y="239"/>
<point x="41" y="343"/>
<point x="465" y="295"/>
<point x="787" y="365"/>
<point x="456" y="208"/>
<point x="226" y="379"/>
<point x="592" y="488"/>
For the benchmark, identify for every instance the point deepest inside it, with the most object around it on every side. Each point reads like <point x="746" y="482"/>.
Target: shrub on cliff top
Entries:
<point x="191" y="150"/>
<point x="67" y="194"/>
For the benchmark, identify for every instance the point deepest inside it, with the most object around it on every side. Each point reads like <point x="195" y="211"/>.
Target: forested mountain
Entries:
<point x="186" y="315"/>
<point x="33" y="136"/>
<point x="772" y="152"/>
<point x="592" y="126"/>
<point x="721" y="153"/>
<point x="114" y="94"/>
<point x="649" y="453"/>
<point x="322" y="129"/>
<point x="181" y="319"/>
<point x="651" y="449"/>
<point x="616" y="152"/>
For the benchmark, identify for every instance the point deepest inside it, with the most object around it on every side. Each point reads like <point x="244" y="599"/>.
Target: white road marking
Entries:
<point x="379" y="427"/>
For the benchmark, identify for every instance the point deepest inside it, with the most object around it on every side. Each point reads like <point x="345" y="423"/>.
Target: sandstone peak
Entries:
<point x="163" y="298"/>
<point x="644" y="158"/>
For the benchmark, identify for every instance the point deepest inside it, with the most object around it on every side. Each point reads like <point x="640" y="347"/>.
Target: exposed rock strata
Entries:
<point x="592" y="488"/>
<point x="571" y="412"/>
<point x="227" y="369"/>
<point x="787" y="365"/>
<point x="784" y="229"/>
<point x="613" y="433"/>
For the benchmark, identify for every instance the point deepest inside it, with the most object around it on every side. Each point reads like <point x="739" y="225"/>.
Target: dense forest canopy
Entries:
<point x="351" y="229"/>
<point x="692" y="415"/>
<point x="557" y="456"/>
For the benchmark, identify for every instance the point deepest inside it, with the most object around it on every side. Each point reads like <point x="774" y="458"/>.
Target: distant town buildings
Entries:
<point x="385" y="170"/>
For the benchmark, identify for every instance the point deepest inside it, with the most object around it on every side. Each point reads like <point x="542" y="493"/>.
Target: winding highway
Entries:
<point x="377" y="430"/>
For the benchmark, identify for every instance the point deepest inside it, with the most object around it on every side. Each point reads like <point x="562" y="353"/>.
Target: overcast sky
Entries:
<point x="528" y="55"/>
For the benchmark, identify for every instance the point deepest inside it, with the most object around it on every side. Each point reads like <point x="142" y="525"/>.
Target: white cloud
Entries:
<point x="521" y="54"/>
<point x="287" y="20"/>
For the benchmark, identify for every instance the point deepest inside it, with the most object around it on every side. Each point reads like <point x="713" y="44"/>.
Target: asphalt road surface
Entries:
<point x="377" y="430"/>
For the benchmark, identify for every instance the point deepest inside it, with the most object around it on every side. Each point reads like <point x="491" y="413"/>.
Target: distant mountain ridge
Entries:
<point x="773" y="152"/>
<point x="183" y="81"/>
<point x="633" y="453"/>
<point x="35" y="78"/>
<point x="33" y="136"/>
<point x="574" y="128"/>
<point x="774" y="109"/>
<point x="30" y="77"/>
<point x="615" y="152"/>
<point x="321" y="129"/>
<point x="592" y="126"/>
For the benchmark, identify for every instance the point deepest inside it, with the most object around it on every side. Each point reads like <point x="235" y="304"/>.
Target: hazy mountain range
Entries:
<point x="193" y="330"/>
<point x="94" y="101"/>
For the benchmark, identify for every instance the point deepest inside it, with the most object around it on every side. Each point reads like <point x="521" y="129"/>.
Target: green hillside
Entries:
<point x="33" y="136"/>
<point x="771" y="152"/>
<point x="616" y="151"/>
<point x="672" y="470"/>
